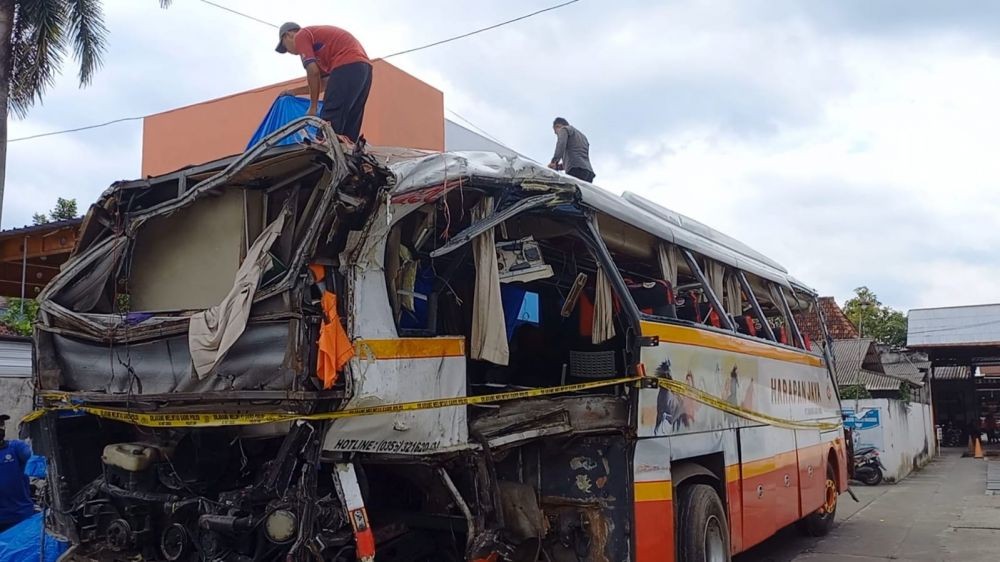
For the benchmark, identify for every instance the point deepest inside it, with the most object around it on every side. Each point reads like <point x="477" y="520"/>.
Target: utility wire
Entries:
<point x="77" y="129"/>
<point x="238" y="13"/>
<point x="398" y="53"/>
<point x="481" y="30"/>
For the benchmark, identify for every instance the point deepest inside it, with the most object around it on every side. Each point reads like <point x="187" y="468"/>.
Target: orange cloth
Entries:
<point x="317" y="271"/>
<point x="335" y="348"/>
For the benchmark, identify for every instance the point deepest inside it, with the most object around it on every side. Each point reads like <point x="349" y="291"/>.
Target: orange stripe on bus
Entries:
<point x="713" y="340"/>
<point x="410" y="348"/>
<point x="660" y="490"/>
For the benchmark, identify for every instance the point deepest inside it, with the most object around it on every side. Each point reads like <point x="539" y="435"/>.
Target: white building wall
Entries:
<point x="904" y="435"/>
<point x="15" y="380"/>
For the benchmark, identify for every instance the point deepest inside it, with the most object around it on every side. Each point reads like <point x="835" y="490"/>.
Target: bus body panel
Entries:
<point x="774" y="475"/>
<point x="654" y="507"/>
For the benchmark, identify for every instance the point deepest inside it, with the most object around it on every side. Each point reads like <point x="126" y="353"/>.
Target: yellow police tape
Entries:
<point x="720" y="404"/>
<point x="214" y="419"/>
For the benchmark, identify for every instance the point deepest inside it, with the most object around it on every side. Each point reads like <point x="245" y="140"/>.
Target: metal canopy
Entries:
<point x="956" y="335"/>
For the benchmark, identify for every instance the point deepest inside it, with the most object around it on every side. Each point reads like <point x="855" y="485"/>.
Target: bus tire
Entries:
<point x="820" y="522"/>
<point x="704" y="529"/>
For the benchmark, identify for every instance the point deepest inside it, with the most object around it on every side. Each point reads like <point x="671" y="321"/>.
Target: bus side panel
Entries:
<point x="786" y="478"/>
<point x="734" y="497"/>
<point x="812" y="469"/>
<point x="757" y="484"/>
<point x="654" y="507"/>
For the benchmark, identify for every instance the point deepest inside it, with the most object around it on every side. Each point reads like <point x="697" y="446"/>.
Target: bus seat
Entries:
<point x="744" y="325"/>
<point x="653" y="297"/>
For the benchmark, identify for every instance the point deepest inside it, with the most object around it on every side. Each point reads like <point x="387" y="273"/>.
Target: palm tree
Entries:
<point x="35" y="36"/>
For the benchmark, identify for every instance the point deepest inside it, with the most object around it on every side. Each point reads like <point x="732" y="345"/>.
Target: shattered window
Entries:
<point x="550" y="292"/>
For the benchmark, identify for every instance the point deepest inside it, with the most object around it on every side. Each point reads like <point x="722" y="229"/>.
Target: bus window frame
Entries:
<point x="792" y="325"/>
<point x="755" y="305"/>
<point x="713" y="299"/>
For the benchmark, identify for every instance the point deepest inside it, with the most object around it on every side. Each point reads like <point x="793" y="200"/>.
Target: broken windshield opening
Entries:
<point x="549" y="316"/>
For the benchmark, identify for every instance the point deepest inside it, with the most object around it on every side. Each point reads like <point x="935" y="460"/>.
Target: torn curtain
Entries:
<point x="213" y="332"/>
<point x="604" y="323"/>
<point x="489" y="332"/>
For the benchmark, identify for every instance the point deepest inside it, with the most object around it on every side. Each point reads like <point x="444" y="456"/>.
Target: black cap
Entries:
<point x="4" y="417"/>
<point x="285" y="28"/>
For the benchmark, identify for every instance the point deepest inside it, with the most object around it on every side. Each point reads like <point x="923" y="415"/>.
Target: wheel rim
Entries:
<point x="715" y="542"/>
<point x="830" y="501"/>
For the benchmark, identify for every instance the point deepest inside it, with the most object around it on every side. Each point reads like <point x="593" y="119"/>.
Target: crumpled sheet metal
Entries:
<point x="255" y="362"/>
<point x="435" y="169"/>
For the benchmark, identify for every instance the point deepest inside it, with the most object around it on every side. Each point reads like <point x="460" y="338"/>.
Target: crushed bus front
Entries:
<point x="306" y="354"/>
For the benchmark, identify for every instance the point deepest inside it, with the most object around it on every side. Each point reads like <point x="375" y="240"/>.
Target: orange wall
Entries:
<point x="401" y="111"/>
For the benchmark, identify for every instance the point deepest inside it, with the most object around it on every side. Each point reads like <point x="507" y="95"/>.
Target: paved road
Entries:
<point x="938" y="514"/>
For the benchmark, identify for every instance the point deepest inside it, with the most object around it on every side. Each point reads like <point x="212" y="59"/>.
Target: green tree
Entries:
<point x="20" y="315"/>
<point x="35" y="36"/>
<point x="65" y="209"/>
<point x="854" y="392"/>
<point x="874" y="320"/>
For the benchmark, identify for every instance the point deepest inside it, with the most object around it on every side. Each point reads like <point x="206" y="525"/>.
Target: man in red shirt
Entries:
<point x="332" y="54"/>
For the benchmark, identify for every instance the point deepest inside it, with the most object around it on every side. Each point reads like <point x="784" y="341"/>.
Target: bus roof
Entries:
<point x="419" y="171"/>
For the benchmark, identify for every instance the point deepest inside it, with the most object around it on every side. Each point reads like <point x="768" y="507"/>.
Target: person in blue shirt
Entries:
<point x="15" y="494"/>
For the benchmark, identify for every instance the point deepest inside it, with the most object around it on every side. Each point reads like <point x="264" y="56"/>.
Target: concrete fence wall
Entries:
<point x="15" y="380"/>
<point x="903" y="433"/>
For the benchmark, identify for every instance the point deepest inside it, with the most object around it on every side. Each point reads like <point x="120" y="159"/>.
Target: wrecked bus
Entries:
<point x="302" y="353"/>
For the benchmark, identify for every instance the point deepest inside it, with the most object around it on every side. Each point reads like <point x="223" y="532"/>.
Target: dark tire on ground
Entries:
<point x="703" y="534"/>
<point x="875" y="479"/>
<point x="819" y="523"/>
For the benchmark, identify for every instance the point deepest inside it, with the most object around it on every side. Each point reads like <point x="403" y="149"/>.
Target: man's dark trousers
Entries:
<point x="581" y="174"/>
<point x="347" y="90"/>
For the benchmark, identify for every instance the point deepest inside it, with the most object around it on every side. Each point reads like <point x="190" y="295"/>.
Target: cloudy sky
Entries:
<point x="853" y="141"/>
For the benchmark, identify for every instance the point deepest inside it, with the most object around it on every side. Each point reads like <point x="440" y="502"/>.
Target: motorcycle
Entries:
<point x="867" y="466"/>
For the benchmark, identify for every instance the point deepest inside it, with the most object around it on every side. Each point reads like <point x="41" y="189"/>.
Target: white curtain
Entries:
<point x="489" y="331"/>
<point x="716" y="273"/>
<point x="734" y="296"/>
<point x="604" y="323"/>
<point x="668" y="258"/>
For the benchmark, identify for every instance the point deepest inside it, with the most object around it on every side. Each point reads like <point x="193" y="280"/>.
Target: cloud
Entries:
<point x="852" y="141"/>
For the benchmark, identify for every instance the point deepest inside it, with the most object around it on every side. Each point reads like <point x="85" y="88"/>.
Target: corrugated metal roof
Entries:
<point x="951" y="373"/>
<point x="853" y="355"/>
<point x="954" y="326"/>
<point x="15" y="358"/>
<point x="31" y="229"/>
<point x="904" y="370"/>
<point x="870" y="380"/>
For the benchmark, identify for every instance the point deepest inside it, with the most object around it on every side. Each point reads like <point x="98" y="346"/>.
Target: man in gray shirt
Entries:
<point x="572" y="151"/>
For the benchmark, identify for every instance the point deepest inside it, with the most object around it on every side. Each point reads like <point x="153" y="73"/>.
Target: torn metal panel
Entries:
<point x="256" y="361"/>
<point x="583" y="414"/>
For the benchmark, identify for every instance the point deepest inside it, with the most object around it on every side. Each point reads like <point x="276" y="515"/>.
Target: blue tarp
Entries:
<point x="37" y="467"/>
<point x="283" y="111"/>
<point x="23" y="543"/>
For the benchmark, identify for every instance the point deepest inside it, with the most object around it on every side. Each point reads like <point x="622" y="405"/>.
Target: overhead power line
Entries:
<point x="267" y="23"/>
<point x="481" y="30"/>
<point x="238" y="13"/>
<point x="77" y="129"/>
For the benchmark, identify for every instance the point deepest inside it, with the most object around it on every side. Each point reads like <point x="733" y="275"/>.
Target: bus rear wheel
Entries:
<point x="819" y="522"/>
<point x="704" y="532"/>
